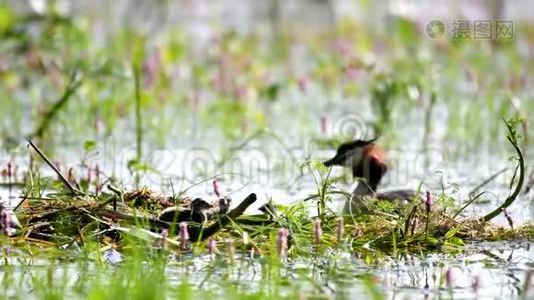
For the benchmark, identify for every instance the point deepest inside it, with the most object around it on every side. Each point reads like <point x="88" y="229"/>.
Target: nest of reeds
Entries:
<point x="66" y="216"/>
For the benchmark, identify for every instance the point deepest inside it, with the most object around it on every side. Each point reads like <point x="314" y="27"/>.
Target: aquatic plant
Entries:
<point x="212" y="247"/>
<point x="281" y="242"/>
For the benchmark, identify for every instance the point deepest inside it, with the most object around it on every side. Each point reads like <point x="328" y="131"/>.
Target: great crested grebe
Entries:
<point x="368" y="164"/>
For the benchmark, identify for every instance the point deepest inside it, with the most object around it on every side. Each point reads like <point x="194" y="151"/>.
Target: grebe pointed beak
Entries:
<point x="372" y="140"/>
<point x="334" y="161"/>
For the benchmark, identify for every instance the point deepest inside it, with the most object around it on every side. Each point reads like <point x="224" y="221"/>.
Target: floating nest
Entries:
<point x="62" y="217"/>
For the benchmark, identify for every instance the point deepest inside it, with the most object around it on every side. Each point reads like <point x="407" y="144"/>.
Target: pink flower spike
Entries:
<point x="184" y="234"/>
<point x="429" y="202"/>
<point x="324" y="125"/>
<point x="303" y="83"/>
<point x="5" y="221"/>
<point x="317" y="230"/>
<point x="216" y="188"/>
<point x="241" y="92"/>
<point x="281" y="242"/>
<point x="212" y="247"/>
<point x="475" y="284"/>
<point x="449" y="277"/>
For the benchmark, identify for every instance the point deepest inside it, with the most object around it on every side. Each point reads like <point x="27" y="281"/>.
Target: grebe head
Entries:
<point x="349" y="154"/>
<point x="364" y="158"/>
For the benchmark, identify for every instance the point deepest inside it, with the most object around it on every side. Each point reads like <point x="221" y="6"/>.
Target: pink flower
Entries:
<point x="281" y="242"/>
<point x="303" y="83"/>
<point x="429" y="202"/>
<point x="151" y="68"/>
<point x="343" y="47"/>
<point x="449" y="278"/>
<point x="8" y="221"/>
<point x="241" y="92"/>
<point x="475" y="284"/>
<point x="324" y="125"/>
<point x="317" y="230"/>
<point x="5" y="220"/>
<point x="184" y="234"/>
<point x="352" y="73"/>
<point x="216" y="188"/>
<point x="212" y="247"/>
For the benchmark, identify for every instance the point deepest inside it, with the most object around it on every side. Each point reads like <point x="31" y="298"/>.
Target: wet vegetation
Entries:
<point x="81" y="120"/>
